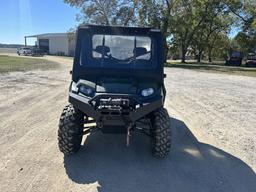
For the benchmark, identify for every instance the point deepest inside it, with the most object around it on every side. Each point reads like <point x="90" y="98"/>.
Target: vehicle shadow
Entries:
<point x="106" y="162"/>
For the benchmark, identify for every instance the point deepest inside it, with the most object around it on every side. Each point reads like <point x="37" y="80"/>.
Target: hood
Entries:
<point x="117" y="85"/>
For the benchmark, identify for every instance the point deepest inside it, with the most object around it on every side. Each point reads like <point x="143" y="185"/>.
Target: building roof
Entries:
<point x="45" y="35"/>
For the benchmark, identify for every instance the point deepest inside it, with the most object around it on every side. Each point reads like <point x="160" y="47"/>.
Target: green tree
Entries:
<point x="105" y="12"/>
<point x="245" y="40"/>
<point x="218" y="45"/>
<point x="126" y="12"/>
<point x="195" y="21"/>
<point x="193" y="24"/>
<point x="216" y="21"/>
<point x="157" y="14"/>
<point x="187" y="20"/>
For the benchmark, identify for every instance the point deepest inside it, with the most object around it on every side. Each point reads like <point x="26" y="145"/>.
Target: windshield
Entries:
<point x="236" y="54"/>
<point x="123" y="48"/>
<point x="112" y="51"/>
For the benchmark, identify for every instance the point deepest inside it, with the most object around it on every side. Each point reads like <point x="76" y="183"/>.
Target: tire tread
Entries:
<point x="161" y="141"/>
<point x="70" y="131"/>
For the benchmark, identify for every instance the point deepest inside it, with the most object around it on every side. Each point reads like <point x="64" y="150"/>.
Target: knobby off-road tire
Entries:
<point x="70" y="131"/>
<point x="161" y="133"/>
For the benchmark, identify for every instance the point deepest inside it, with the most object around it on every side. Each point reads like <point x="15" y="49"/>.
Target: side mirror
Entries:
<point x="70" y="72"/>
<point x="165" y="75"/>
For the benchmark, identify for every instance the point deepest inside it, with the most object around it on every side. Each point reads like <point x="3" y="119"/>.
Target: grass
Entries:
<point x="10" y="64"/>
<point x="8" y="50"/>
<point x="65" y="57"/>
<point x="214" y="68"/>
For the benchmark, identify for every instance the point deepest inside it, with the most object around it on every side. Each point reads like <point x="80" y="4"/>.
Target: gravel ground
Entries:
<point x="220" y="108"/>
<point x="213" y="147"/>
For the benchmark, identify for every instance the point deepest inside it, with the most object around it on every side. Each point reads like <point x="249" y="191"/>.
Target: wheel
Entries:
<point x="161" y="133"/>
<point x="70" y="131"/>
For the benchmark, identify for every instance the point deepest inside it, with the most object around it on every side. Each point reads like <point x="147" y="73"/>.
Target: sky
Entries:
<point x="19" y="18"/>
<point x="234" y="31"/>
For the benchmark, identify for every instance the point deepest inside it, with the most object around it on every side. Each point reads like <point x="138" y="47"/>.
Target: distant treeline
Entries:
<point x="10" y="45"/>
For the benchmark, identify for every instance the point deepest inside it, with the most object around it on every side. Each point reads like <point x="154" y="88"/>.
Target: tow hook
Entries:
<point x="99" y="124"/>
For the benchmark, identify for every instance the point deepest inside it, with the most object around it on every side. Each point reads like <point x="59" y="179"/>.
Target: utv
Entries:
<point x="117" y="87"/>
<point x="235" y="58"/>
<point x="251" y="60"/>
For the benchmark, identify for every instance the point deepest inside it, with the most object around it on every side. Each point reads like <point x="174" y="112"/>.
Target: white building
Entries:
<point x="55" y="43"/>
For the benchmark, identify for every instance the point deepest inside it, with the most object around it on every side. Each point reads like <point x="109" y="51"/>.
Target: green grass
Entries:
<point x="214" y="68"/>
<point x="65" y="57"/>
<point x="9" y="64"/>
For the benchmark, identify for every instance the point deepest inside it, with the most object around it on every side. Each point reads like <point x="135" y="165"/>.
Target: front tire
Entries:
<point x="161" y="133"/>
<point x="70" y="131"/>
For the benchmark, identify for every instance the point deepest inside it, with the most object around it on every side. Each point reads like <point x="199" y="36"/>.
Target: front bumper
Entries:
<point x="108" y="116"/>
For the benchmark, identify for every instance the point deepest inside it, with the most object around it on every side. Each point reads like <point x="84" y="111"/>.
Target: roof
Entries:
<point x="110" y="26"/>
<point x="45" y="35"/>
<point x="118" y="29"/>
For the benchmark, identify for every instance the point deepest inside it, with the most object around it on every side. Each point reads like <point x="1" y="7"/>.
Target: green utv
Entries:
<point x="117" y="87"/>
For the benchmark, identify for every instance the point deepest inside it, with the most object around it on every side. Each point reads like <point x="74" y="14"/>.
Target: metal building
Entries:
<point x="55" y="43"/>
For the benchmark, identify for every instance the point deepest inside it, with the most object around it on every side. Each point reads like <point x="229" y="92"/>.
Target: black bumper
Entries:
<point x="82" y="103"/>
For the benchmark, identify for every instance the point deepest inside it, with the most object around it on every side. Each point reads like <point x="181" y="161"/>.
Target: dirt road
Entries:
<point x="212" y="117"/>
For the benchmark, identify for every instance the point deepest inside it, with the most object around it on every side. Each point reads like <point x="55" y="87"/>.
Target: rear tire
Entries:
<point x="161" y="132"/>
<point x="70" y="131"/>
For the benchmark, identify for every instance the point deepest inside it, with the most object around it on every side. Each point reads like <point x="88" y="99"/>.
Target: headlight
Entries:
<point x="74" y="87"/>
<point x="85" y="90"/>
<point x="147" y="92"/>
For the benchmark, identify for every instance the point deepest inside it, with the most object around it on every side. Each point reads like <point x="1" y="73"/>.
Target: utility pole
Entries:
<point x="25" y="41"/>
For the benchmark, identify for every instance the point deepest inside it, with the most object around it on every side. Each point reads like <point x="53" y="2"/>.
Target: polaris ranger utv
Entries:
<point x="117" y="87"/>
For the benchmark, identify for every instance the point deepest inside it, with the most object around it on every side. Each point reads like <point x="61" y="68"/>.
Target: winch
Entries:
<point x="124" y="103"/>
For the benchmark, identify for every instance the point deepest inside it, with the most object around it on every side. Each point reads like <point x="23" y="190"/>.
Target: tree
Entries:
<point x="193" y="24"/>
<point x="151" y="13"/>
<point x="187" y="20"/>
<point x="105" y="12"/>
<point x="218" y="45"/>
<point x="157" y="14"/>
<point x="216" y="21"/>
<point x="245" y="40"/>
<point x="196" y="21"/>
<point x="244" y="10"/>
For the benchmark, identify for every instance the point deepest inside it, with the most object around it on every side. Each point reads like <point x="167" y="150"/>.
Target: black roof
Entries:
<point x="119" y="29"/>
